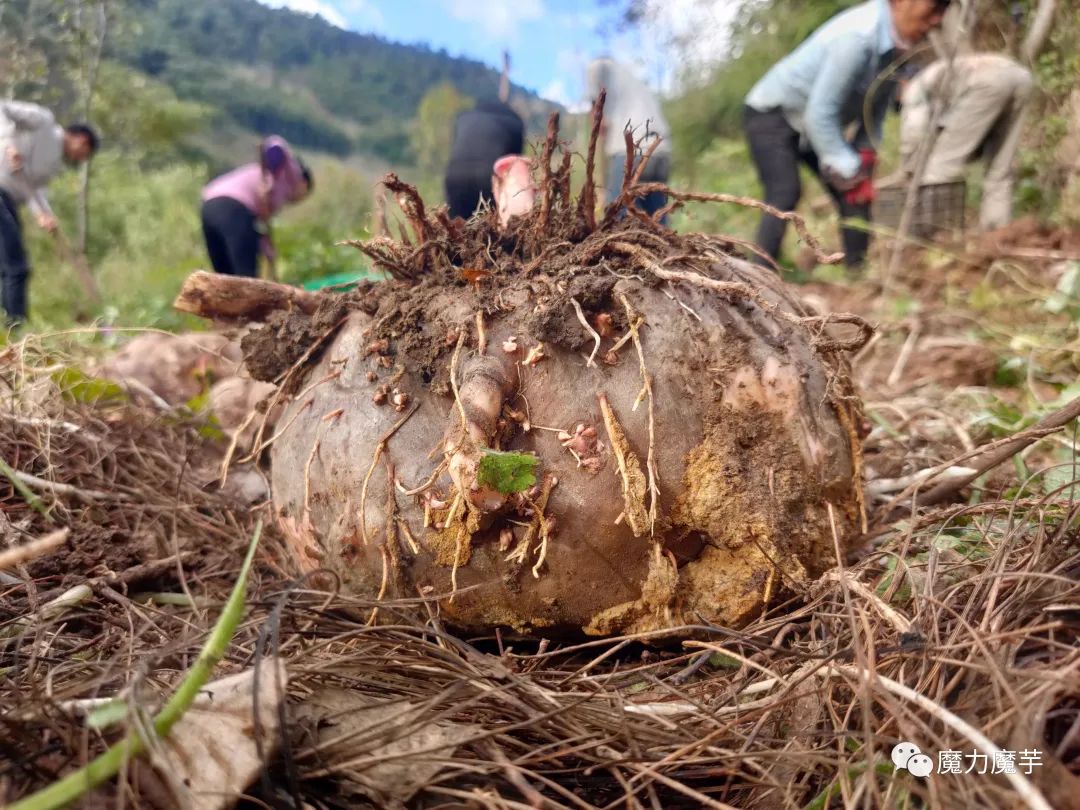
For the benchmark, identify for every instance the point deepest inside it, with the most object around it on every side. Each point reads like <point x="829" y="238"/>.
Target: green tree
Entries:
<point x="143" y="117"/>
<point x="433" y="131"/>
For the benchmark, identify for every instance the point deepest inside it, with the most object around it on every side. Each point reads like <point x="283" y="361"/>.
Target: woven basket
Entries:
<point x="939" y="208"/>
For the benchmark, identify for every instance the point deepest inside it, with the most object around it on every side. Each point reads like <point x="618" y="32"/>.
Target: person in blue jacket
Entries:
<point x="801" y="110"/>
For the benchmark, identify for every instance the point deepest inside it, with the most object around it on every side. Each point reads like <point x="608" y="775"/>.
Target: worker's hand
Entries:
<point x="858" y="189"/>
<point x="266" y="248"/>
<point x="14" y="158"/>
<point x="862" y="193"/>
<point x="47" y="222"/>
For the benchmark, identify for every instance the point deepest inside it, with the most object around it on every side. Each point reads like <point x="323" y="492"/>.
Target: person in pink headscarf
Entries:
<point x="237" y="207"/>
<point x="513" y="188"/>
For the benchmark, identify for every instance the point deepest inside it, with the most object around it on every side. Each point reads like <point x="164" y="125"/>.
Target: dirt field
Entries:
<point x="953" y="627"/>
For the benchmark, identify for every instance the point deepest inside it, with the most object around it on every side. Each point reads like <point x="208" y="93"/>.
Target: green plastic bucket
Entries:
<point x="336" y="279"/>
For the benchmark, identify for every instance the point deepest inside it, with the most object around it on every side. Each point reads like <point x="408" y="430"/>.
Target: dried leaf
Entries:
<point x="300" y="538"/>
<point x="350" y="727"/>
<point x="107" y="714"/>
<point x="210" y="757"/>
<point x="474" y="275"/>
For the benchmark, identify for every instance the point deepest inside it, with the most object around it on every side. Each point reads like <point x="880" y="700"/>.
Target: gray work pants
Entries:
<point x="984" y="119"/>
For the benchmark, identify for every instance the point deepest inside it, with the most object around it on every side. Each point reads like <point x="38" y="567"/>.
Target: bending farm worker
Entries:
<point x="630" y="104"/>
<point x="983" y="117"/>
<point x="238" y="206"/>
<point x="800" y="110"/>
<point x="485" y="161"/>
<point x="489" y="131"/>
<point x="33" y="149"/>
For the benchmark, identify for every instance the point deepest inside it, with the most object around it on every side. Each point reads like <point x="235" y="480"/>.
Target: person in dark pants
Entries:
<point x="33" y="150"/>
<point x="14" y="263"/>
<point x="238" y="206"/>
<point x="800" y="111"/>
<point x="232" y="237"/>
<point x="657" y="170"/>
<point x="777" y="152"/>
<point x="482" y="135"/>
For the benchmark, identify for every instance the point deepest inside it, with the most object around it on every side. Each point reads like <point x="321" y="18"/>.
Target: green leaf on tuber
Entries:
<point x="507" y="472"/>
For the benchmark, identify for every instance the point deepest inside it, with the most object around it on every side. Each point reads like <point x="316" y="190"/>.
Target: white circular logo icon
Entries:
<point x="920" y="765"/>
<point x="902" y="752"/>
<point x="906" y="756"/>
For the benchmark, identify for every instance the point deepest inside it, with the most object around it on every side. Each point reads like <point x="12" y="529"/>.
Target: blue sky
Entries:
<point x="550" y="41"/>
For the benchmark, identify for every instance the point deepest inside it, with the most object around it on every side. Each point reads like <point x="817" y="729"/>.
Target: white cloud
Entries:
<point x="499" y="19"/>
<point x="353" y="15"/>
<point x="567" y="88"/>
<point x="557" y="90"/>
<point x="693" y="34"/>
<point x="313" y="7"/>
<point x="675" y="40"/>
<point x="579" y="20"/>
<point x="363" y="14"/>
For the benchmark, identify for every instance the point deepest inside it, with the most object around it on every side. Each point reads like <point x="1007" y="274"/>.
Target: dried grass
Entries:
<point x="976" y="611"/>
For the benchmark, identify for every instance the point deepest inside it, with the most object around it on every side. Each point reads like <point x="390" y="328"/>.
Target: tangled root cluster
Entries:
<point x="564" y="249"/>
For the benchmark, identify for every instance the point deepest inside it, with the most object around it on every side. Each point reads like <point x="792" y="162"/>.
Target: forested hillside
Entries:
<point x="249" y="68"/>
<point x="276" y="70"/>
<point x="181" y="90"/>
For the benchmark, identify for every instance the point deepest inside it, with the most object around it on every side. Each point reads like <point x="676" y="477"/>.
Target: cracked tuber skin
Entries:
<point x="754" y="444"/>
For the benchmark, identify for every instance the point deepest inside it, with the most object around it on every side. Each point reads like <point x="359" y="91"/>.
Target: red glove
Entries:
<point x="862" y="193"/>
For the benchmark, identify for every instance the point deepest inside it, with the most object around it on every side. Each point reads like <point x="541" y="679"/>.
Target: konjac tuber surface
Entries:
<point x="695" y="432"/>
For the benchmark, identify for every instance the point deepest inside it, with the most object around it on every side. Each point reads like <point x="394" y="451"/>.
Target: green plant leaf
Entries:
<point x="721" y="661"/>
<point x="507" y="472"/>
<point x="107" y="714"/>
<point x="77" y="386"/>
<point x="200" y="403"/>
<point x="1067" y="292"/>
<point x="1058" y="478"/>
<point x="211" y="429"/>
<point x="1010" y="372"/>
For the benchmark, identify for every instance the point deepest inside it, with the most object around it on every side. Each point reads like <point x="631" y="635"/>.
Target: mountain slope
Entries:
<point x="276" y="70"/>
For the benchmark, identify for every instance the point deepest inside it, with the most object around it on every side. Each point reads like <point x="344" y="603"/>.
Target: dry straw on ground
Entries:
<point x="964" y="620"/>
<point x="956" y="629"/>
<point x="968" y="623"/>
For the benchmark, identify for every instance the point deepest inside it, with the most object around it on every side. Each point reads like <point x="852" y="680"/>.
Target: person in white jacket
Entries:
<point x="33" y="150"/>
<point x="986" y="103"/>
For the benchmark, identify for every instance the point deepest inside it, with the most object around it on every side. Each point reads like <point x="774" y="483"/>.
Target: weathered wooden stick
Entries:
<point x="35" y="548"/>
<point x="984" y="461"/>
<point x="213" y="295"/>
